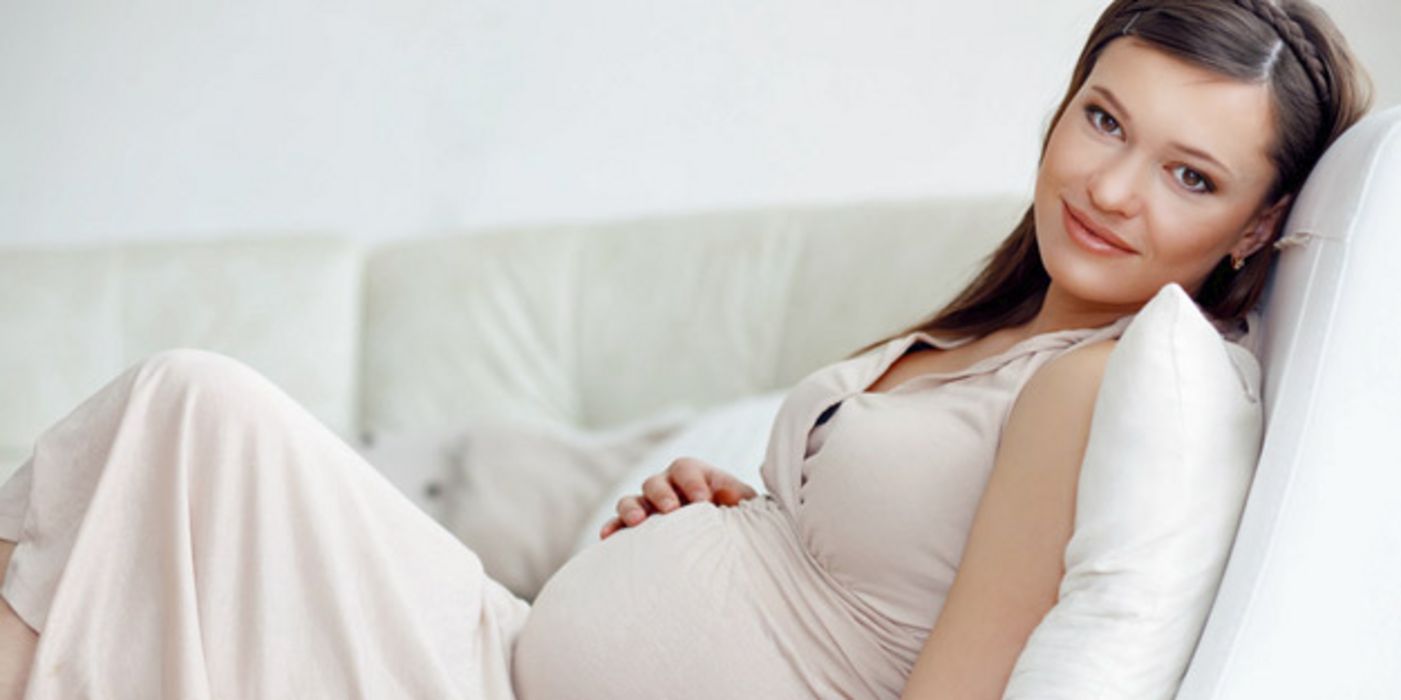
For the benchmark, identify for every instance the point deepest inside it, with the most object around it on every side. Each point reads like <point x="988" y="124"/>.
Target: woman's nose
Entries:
<point x="1115" y="186"/>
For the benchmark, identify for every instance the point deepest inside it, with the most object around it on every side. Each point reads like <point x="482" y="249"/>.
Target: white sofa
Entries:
<point x="590" y="325"/>
<point x="599" y="325"/>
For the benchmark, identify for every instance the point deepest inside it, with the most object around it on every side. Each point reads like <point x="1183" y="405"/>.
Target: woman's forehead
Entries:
<point x="1166" y="100"/>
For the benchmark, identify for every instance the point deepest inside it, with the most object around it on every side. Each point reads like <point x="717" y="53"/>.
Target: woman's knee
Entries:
<point x="191" y="363"/>
<point x="208" y="380"/>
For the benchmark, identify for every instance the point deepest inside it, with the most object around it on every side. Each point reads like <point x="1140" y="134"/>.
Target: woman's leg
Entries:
<point x="17" y="640"/>
<point x="192" y="532"/>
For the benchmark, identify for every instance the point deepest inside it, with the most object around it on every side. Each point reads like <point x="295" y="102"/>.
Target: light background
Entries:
<point x="164" y="119"/>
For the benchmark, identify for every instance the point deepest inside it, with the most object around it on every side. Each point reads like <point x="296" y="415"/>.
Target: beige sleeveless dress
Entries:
<point x="826" y="587"/>
<point x="191" y="532"/>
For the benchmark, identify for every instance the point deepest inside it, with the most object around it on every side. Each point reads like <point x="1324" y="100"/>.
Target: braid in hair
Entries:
<point x="1293" y="36"/>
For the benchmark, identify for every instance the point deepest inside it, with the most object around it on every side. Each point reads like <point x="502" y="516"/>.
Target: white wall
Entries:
<point x="158" y="118"/>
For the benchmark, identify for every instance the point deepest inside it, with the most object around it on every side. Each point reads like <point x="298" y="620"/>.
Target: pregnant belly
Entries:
<point x="661" y="610"/>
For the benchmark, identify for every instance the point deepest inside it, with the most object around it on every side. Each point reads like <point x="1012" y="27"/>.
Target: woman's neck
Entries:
<point x="1062" y="311"/>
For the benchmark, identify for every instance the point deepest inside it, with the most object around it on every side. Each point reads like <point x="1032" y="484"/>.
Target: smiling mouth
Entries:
<point x="1087" y="237"/>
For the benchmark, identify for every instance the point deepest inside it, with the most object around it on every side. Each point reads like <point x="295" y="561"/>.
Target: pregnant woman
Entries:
<point x="190" y="532"/>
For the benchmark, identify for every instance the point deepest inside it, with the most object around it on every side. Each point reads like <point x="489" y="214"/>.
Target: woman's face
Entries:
<point x="1168" y="162"/>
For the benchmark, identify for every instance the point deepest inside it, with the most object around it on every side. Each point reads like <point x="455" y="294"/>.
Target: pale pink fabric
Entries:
<point x="825" y="588"/>
<point x="191" y="532"/>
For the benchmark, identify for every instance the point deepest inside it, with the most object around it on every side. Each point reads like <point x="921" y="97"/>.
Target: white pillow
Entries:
<point x="1172" y="450"/>
<point x="734" y="437"/>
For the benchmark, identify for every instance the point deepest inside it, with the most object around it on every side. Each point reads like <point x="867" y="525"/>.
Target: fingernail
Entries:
<point x="668" y="503"/>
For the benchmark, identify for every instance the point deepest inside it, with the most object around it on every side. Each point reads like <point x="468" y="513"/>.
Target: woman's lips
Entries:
<point x="1087" y="238"/>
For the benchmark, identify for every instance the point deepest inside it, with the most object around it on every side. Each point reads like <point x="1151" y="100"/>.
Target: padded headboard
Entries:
<point x="1310" y="602"/>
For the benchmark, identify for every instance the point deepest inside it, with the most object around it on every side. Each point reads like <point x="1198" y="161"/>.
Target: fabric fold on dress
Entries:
<point x="191" y="532"/>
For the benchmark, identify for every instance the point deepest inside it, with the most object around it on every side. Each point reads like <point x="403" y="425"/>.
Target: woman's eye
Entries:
<point x="1101" y="120"/>
<point x="1192" y="180"/>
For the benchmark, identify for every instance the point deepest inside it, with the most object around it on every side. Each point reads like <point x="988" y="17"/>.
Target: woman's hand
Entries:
<point x="687" y="480"/>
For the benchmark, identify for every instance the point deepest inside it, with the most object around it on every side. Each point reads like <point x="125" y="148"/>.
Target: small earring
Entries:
<point x="1237" y="262"/>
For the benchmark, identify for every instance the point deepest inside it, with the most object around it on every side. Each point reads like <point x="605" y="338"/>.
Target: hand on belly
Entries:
<point x="688" y="480"/>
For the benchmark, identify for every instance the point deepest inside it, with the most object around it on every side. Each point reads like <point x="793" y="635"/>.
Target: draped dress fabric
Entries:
<point x="825" y="587"/>
<point x="191" y="532"/>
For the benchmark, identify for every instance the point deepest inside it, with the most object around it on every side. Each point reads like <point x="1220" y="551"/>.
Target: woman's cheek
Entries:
<point x="1186" y="253"/>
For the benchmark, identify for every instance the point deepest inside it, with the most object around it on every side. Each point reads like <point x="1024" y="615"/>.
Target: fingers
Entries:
<point x="686" y="480"/>
<point x="660" y="494"/>
<point x="691" y="477"/>
<point x="610" y="527"/>
<point x="633" y="510"/>
<point x="729" y="490"/>
<point x="733" y="495"/>
<point x="727" y="496"/>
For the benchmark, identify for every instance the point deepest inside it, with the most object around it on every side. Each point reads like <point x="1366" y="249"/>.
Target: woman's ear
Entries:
<point x="1262" y="228"/>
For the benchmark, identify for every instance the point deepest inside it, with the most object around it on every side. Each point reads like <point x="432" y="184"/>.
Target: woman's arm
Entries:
<point x="1013" y="561"/>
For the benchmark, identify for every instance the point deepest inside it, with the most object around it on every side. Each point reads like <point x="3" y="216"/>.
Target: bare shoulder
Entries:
<point x="1052" y="413"/>
<point x="1074" y="374"/>
<point x="1089" y="358"/>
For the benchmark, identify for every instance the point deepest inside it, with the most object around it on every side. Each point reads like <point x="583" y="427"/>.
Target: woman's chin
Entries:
<point x="1099" y="285"/>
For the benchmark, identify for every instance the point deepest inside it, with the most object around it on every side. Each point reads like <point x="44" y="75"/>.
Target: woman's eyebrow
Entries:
<point x="1126" y="118"/>
<point x="1113" y="102"/>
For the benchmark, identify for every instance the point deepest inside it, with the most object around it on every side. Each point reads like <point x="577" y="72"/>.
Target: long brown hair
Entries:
<point x="1317" y="90"/>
